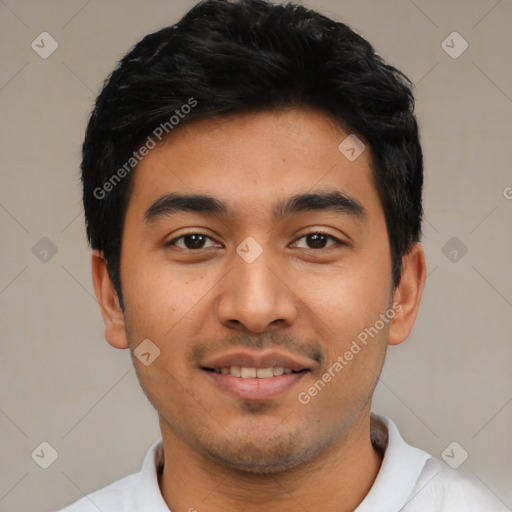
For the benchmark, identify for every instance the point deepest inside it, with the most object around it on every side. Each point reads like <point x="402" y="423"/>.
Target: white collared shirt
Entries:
<point x="409" y="480"/>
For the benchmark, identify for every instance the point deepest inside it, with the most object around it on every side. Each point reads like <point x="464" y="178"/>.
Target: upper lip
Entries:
<point x="263" y="359"/>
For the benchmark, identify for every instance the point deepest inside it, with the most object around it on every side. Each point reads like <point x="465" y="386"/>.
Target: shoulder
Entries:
<point x="115" y="497"/>
<point x="451" y="491"/>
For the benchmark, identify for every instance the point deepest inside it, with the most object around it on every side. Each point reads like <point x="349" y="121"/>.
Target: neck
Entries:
<point x="338" y="479"/>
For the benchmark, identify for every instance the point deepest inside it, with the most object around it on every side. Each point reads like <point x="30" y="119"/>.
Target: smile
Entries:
<point x="255" y="384"/>
<point x="245" y="372"/>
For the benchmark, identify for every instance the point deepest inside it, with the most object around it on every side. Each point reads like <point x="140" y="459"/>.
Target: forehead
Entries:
<point x="253" y="158"/>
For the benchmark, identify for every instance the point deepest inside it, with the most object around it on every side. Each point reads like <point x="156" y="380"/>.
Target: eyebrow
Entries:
<point x="329" y="200"/>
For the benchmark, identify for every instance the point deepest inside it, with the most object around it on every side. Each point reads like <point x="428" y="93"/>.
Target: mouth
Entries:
<point x="255" y="376"/>
<point x="245" y="372"/>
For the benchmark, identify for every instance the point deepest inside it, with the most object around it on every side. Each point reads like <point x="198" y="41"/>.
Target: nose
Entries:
<point x="256" y="296"/>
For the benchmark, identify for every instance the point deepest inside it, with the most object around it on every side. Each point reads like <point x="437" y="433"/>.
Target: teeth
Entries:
<point x="235" y="371"/>
<point x="264" y="373"/>
<point x="252" y="373"/>
<point x="247" y="372"/>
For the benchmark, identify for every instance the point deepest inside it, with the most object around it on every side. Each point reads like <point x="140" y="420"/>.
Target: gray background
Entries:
<point x="60" y="382"/>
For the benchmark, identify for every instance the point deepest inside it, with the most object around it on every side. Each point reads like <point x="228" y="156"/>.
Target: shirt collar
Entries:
<point x="401" y="466"/>
<point x="149" y="496"/>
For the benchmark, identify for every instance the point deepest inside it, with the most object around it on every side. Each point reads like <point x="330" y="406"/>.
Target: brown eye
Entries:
<point x="318" y="240"/>
<point x="191" y="242"/>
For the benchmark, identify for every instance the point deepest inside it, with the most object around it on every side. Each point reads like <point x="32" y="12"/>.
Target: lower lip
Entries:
<point x="254" y="388"/>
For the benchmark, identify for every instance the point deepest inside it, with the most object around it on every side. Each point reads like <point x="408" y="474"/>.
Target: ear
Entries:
<point x="407" y="295"/>
<point x="113" y="317"/>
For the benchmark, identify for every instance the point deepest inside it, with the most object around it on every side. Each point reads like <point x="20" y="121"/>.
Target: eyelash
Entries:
<point x="316" y="232"/>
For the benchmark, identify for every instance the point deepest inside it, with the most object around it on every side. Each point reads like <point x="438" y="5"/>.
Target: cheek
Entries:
<point x="165" y="304"/>
<point x="346" y="305"/>
<point x="346" y="297"/>
<point x="152" y="303"/>
<point x="156" y="309"/>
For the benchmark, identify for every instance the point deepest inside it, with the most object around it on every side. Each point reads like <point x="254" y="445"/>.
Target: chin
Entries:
<point x="248" y="457"/>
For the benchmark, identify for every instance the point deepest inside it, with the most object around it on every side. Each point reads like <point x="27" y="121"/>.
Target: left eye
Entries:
<point x="192" y="241"/>
<point x="318" y="240"/>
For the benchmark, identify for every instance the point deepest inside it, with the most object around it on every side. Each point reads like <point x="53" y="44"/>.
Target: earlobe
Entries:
<point x="408" y="294"/>
<point x="113" y="317"/>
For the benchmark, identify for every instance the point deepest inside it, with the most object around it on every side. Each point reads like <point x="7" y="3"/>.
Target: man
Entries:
<point x="252" y="190"/>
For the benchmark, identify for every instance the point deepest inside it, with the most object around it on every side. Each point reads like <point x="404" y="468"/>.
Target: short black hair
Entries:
<point x="227" y="57"/>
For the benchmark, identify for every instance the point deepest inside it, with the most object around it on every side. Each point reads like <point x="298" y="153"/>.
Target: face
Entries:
<point x="272" y="274"/>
